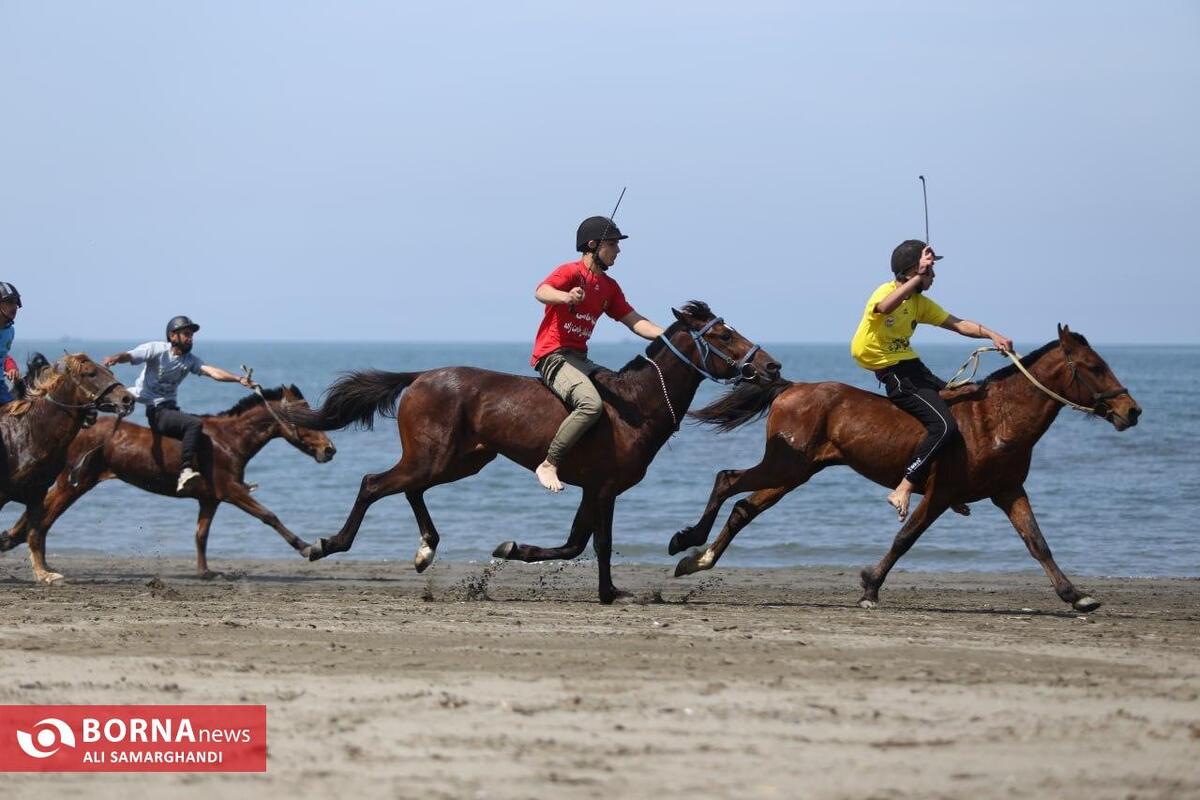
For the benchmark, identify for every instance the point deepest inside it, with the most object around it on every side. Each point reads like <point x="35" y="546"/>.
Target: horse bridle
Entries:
<point x="283" y="424"/>
<point x="94" y="404"/>
<point x="743" y="370"/>
<point x="1098" y="398"/>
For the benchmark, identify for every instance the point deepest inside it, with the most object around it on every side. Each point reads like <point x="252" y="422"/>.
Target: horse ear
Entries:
<point x="678" y="314"/>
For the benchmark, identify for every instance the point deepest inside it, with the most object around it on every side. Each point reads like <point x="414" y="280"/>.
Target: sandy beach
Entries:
<point x="510" y="681"/>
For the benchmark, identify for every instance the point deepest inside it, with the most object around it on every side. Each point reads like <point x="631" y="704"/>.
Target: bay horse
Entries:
<point x="453" y="421"/>
<point x="36" y="433"/>
<point x="811" y="426"/>
<point x="135" y="455"/>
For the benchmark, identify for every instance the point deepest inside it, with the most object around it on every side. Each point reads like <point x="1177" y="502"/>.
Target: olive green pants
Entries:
<point x="566" y="373"/>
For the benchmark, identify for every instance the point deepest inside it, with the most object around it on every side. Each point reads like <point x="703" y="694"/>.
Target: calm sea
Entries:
<point x="1109" y="503"/>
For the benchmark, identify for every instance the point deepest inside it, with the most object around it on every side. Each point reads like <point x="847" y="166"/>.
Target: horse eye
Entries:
<point x="726" y="336"/>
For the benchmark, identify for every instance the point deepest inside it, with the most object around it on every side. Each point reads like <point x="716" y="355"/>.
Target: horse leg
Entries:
<point x="374" y="487"/>
<point x="744" y="511"/>
<point x="240" y="497"/>
<point x="203" y="522"/>
<point x="465" y="467"/>
<point x="1015" y="504"/>
<point x="764" y="475"/>
<point x="602" y="544"/>
<point x="60" y="497"/>
<point x="409" y="475"/>
<point x="37" y="545"/>
<point x="931" y="507"/>
<point x="581" y="531"/>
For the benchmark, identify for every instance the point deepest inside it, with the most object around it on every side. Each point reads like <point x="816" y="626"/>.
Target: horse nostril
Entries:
<point x="774" y="367"/>
<point x="1134" y="413"/>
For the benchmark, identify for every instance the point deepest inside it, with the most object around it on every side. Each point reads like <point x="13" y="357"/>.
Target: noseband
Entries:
<point x="95" y="404"/>
<point x="743" y="370"/>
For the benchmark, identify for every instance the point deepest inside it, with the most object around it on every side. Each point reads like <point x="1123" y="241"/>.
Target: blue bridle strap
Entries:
<point x="705" y="350"/>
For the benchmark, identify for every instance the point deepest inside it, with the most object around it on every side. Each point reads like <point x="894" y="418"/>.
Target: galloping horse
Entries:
<point x="132" y="453"/>
<point x="812" y="426"/>
<point x="455" y="420"/>
<point x="36" y="437"/>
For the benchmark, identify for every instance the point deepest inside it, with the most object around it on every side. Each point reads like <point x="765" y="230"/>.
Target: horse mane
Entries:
<point x="616" y="387"/>
<point x="1031" y="358"/>
<point x="46" y="380"/>
<point x="693" y="308"/>
<point x="252" y="400"/>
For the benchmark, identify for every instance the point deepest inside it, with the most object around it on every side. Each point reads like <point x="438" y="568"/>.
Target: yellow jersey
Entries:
<point x="882" y="340"/>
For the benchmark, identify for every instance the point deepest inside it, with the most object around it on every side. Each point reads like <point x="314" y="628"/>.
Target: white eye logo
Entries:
<point x="54" y="736"/>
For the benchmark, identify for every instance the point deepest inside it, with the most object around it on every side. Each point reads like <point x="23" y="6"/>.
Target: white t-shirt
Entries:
<point x="163" y="373"/>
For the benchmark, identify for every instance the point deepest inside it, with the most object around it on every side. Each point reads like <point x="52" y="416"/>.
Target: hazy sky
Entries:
<point x="358" y="170"/>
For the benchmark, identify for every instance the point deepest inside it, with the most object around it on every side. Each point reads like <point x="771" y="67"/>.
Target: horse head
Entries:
<point x="1091" y="383"/>
<point x="313" y="443"/>
<point x="716" y="350"/>
<point x="77" y="382"/>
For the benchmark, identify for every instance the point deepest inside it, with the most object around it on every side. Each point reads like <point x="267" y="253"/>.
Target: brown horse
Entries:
<point x="454" y="421"/>
<point x="132" y="453"/>
<point x="812" y="426"/>
<point x="37" y="432"/>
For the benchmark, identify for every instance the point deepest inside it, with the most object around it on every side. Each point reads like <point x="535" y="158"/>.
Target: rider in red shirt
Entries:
<point x="575" y="295"/>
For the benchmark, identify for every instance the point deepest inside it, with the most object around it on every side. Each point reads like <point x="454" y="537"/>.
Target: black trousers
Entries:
<point x="166" y="419"/>
<point x="912" y="387"/>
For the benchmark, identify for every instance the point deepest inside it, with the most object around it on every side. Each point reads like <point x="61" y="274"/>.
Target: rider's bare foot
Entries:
<point x="961" y="508"/>
<point x="898" y="500"/>
<point x="547" y="473"/>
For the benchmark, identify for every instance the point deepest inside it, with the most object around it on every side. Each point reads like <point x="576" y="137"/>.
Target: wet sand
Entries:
<point x="510" y="681"/>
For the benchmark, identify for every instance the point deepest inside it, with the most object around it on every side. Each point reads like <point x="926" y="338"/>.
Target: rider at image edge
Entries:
<point x="575" y="295"/>
<point x="881" y="344"/>
<point x="166" y="365"/>
<point x="10" y="301"/>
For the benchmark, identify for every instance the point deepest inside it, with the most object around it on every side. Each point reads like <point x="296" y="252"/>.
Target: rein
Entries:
<point x="742" y="369"/>
<point x="257" y="387"/>
<point x="1097" y="397"/>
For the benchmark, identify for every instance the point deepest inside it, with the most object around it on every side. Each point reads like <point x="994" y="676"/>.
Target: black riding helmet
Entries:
<point x="180" y="323"/>
<point x="908" y="255"/>
<point x="9" y="292"/>
<point x="598" y="229"/>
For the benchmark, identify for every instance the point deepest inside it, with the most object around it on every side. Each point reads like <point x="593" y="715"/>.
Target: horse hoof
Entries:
<point x="49" y="578"/>
<point x="1086" y="604"/>
<point x="208" y="575"/>
<point x="314" y="551"/>
<point x="676" y="545"/>
<point x="505" y="550"/>
<point x="424" y="557"/>
<point x="867" y="603"/>
<point x="614" y="595"/>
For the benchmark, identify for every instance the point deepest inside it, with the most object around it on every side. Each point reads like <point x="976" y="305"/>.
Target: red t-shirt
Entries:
<point x="570" y="326"/>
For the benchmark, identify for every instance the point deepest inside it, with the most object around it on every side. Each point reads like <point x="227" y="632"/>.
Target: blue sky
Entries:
<point x="335" y="170"/>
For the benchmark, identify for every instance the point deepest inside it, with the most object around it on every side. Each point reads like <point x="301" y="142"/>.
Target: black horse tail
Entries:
<point x="355" y="398"/>
<point x="735" y="408"/>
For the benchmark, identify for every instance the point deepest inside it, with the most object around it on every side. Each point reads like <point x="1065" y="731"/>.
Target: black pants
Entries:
<point x="166" y="419"/>
<point x="912" y="387"/>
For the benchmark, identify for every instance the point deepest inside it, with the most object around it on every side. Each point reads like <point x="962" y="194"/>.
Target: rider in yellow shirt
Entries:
<point x="881" y="344"/>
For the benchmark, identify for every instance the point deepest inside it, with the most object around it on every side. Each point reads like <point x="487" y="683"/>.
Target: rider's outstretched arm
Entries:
<point x="641" y="326"/>
<point x="975" y="330"/>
